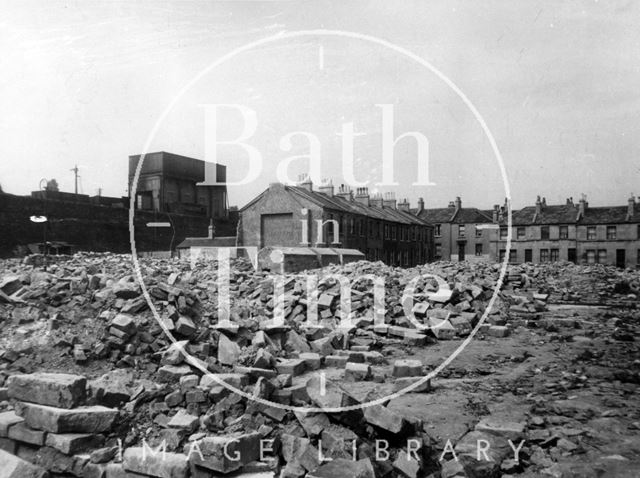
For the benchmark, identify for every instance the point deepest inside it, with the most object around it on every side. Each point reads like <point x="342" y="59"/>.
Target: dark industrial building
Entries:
<point x="169" y="183"/>
<point x="290" y="216"/>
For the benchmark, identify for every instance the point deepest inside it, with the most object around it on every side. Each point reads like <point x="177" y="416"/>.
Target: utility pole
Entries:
<point x="75" y="171"/>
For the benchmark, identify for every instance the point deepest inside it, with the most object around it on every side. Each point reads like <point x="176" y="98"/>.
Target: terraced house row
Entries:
<point x="301" y="216"/>
<point x="575" y="232"/>
<point x="383" y="229"/>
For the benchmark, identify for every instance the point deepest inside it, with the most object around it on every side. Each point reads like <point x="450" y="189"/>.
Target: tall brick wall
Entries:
<point x="95" y="227"/>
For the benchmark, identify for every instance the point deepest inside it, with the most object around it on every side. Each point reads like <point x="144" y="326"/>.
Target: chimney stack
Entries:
<point x="570" y="201"/>
<point x="376" y="200"/>
<point x="458" y="203"/>
<point x="538" y="205"/>
<point x="362" y="196"/>
<point x="420" y="205"/>
<point x="326" y="188"/>
<point x="344" y="192"/>
<point x="631" y="206"/>
<point x="582" y="208"/>
<point x="404" y="205"/>
<point x="390" y="200"/>
<point x="305" y="182"/>
<point x="495" y="213"/>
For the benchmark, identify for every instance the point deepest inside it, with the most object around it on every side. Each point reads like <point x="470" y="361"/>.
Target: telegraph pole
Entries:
<point x="75" y="171"/>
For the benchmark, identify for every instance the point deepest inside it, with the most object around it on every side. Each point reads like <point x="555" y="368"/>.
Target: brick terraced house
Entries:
<point x="299" y="216"/>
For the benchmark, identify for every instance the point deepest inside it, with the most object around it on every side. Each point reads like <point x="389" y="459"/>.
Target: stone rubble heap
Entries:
<point x="89" y="312"/>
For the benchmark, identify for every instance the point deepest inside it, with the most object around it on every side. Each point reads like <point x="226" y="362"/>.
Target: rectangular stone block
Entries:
<point x="293" y="367"/>
<point x="22" y="433"/>
<point x="93" y="419"/>
<point x="155" y="463"/>
<point x="54" y="389"/>
<point x="72" y="443"/>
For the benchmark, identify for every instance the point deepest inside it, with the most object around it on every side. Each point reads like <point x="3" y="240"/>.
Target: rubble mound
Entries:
<point x="314" y="374"/>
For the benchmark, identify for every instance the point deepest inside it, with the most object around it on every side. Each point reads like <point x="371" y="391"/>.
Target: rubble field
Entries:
<point x="91" y="384"/>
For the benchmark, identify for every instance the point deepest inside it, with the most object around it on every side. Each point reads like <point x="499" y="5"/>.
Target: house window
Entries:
<point x="602" y="256"/>
<point x="406" y="258"/>
<point x="528" y="255"/>
<point x="438" y="251"/>
<point x="555" y="255"/>
<point x="520" y="232"/>
<point x="461" y="230"/>
<point x="513" y="255"/>
<point x="544" y="255"/>
<point x="564" y="232"/>
<point x="544" y="232"/>
<point x="394" y="233"/>
<point x="502" y="255"/>
<point x="437" y="233"/>
<point x="478" y="249"/>
<point x="361" y="227"/>
<point x="478" y="232"/>
<point x="386" y="231"/>
<point x="591" y="256"/>
<point x="504" y="232"/>
<point x="413" y="233"/>
<point x="370" y="228"/>
<point x="611" y="233"/>
<point x="591" y="233"/>
<point x="352" y="225"/>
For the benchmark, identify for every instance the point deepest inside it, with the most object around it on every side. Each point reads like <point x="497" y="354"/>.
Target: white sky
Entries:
<point x="557" y="82"/>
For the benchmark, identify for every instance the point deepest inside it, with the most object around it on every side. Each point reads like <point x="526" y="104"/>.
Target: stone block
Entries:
<point x="54" y="389"/>
<point x="22" y="433"/>
<point x="228" y="351"/>
<point x="312" y="360"/>
<point x="125" y="323"/>
<point x="73" y="443"/>
<point x="7" y="419"/>
<point x="14" y="467"/>
<point x="92" y="419"/>
<point x="184" y="421"/>
<point x="499" y="331"/>
<point x="385" y="419"/>
<point x="356" y="372"/>
<point x="293" y="367"/>
<point x="224" y="454"/>
<point x="403" y="382"/>
<point x="407" y="368"/>
<point x="338" y="361"/>
<point x="172" y="373"/>
<point x="155" y="463"/>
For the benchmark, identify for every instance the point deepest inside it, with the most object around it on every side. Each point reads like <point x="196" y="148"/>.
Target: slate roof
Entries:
<point x="569" y="214"/>
<point x="339" y="204"/>
<point x="229" y="241"/>
<point x="464" y="215"/>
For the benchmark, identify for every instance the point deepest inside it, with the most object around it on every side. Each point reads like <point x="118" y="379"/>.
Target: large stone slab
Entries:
<point x="72" y="443"/>
<point x="14" y="467"/>
<point x="151" y="462"/>
<point x="54" y="389"/>
<point x="385" y="419"/>
<point x="93" y="419"/>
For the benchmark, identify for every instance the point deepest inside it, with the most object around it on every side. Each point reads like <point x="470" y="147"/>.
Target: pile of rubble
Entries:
<point x="164" y="408"/>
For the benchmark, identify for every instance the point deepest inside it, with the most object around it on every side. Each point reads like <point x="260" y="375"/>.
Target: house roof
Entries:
<point x="229" y="241"/>
<point x="463" y="215"/>
<point x="340" y="204"/>
<point x="570" y="214"/>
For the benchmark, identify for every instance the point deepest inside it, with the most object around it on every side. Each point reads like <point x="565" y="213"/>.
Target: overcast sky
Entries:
<point x="556" y="82"/>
